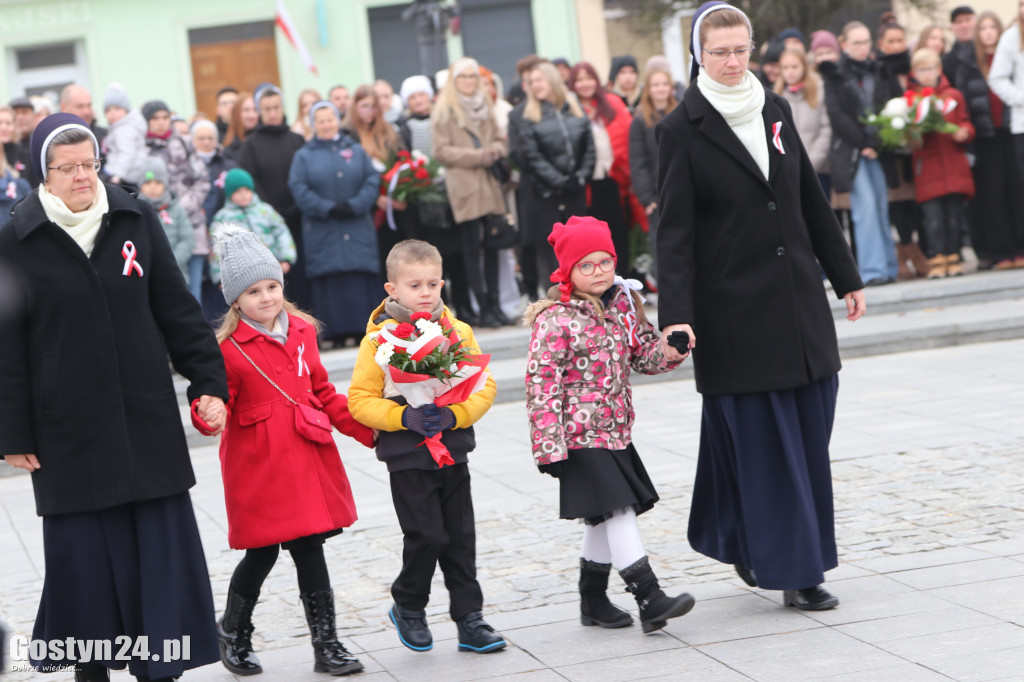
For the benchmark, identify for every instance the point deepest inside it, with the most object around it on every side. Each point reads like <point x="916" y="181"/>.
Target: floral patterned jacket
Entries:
<point x="577" y="376"/>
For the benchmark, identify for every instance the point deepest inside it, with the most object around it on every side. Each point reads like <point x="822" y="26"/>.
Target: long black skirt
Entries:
<point x="132" y="571"/>
<point x="343" y="300"/>
<point x="763" y="493"/>
<point x="596" y="482"/>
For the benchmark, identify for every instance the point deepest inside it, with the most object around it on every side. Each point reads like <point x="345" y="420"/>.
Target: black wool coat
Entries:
<point x="738" y="254"/>
<point x="84" y="379"/>
<point x="267" y="155"/>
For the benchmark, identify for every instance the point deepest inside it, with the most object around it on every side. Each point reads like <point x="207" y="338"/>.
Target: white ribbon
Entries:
<point x="391" y="190"/>
<point x="629" y="285"/>
<point x="301" y="362"/>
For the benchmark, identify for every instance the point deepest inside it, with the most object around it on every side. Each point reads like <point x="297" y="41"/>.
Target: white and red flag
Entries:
<point x="284" y="22"/>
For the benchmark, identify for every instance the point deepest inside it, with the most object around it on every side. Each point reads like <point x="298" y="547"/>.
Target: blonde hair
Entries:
<point x="230" y="320"/>
<point x="812" y="81"/>
<point x="303" y="119"/>
<point x="558" y="97"/>
<point x="449" y="106"/>
<point x="411" y="251"/>
<point x="378" y="139"/>
<point x="925" y="55"/>
<point x="979" y="50"/>
<point x="646" y="107"/>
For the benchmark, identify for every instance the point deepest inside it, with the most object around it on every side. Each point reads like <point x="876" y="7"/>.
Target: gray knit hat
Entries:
<point x="153" y="168"/>
<point x="244" y="260"/>
<point x="115" y="96"/>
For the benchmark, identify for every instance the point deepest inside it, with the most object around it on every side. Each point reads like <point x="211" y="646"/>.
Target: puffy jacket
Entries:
<point x="961" y="68"/>
<point x="187" y="173"/>
<point x="261" y="219"/>
<point x="375" y="402"/>
<point x="940" y="165"/>
<point x="577" y="375"/>
<point x="177" y="226"/>
<point x="558" y="150"/>
<point x="643" y="160"/>
<point x="326" y="173"/>
<point x="1006" y="77"/>
<point x="122" y="144"/>
<point x="12" y="190"/>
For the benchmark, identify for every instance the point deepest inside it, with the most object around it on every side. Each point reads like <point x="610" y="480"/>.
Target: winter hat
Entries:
<point x="440" y="78"/>
<point x="153" y="168"/>
<point x="262" y="91"/>
<point x="792" y="33"/>
<point x="695" y="47"/>
<point x="957" y="11"/>
<point x="203" y="123"/>
<point x="244" y="260"/>
<point x="658" y="61"/>
<point x="115" y="96"/>
<point x="824" y="39"/>
<point x="49" y="128"/>
<point x="572" y="241"/>
<point x="153" y="107"/>
<point x="322" y="104"/>
<point x="236" y="178"/>
<point x="414" y="84"/>
<point x="773" y="53"/>
<point x="619" y="62"/>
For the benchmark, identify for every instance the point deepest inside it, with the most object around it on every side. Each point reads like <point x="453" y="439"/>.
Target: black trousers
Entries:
<point x="942" y="219"/>
<point x="606" y="205"/>
<point x="435" y="511"/>
<point x="906" y="216"/>
<point x="996" y="217"/>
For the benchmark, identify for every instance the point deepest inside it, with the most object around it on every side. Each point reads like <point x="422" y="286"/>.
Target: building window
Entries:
<point x="46" y="69"/>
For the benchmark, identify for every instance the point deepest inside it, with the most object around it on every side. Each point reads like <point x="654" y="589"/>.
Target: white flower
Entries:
<point x="429" y="328"/>
<point x="898" y="123"/>
<point x="384" y="353"/>
<point x="897" y="106"/>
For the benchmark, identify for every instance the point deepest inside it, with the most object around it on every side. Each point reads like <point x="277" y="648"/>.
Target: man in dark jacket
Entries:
<point x="962" y="20"/>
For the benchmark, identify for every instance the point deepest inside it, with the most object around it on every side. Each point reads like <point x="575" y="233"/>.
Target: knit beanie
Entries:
<point x="824" y="39"/>
<point x="792" y="33"/>
<point x="153" y="107"/>
<point x="414" y="84"/>
<point x="618" y="63"/>
<point x="236" y="178"/>
<point x="695" y="47"/>
<point x="49" y="128"/>
<point x="153" y="168"/>
<point x="572" y="241"/>
<point x="115" y="96"/>
<point x="244" y="260"/>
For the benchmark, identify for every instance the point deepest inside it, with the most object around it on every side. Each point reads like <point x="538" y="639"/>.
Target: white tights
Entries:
<point x="616" y="541"/>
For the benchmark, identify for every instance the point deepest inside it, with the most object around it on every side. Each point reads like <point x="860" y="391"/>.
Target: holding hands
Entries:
<point x="675" y="346"/>
<point x="211" y="410"/>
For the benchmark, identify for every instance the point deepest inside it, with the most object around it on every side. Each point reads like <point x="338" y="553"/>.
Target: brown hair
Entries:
<point x="850" y="26"/>
<point x="408" y="252"/>
<point x="979" y="50"/>
<point x="646" y="106"/>
<point x="922" y="38"/>
<point x="723" y="19"/>
<point x="229" y="322"/>
<point x="235" y="127"/>
<point x="527" y="63"/>
<point x="812" y="81"/>
<point x="378" y="139"/>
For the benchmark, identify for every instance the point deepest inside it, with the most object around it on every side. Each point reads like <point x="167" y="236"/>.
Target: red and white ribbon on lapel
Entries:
<point x="302" y="363"/>
<point x="776" y="139"/>
<point x="12" y="190"/>
<point x="128" y="251"/>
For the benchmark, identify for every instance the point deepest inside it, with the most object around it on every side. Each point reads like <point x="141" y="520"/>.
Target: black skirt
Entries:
<point x="343" y="300"/>
<point x="596" y="482"/>
<point x="131" y="571"/>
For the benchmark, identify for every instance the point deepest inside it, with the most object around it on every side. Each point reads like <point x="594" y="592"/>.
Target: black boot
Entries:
<point x="476" y="635"/>
<point x="92" y="672"/>
<point x="655" y="606"/>
<point x="234" y="634"/>
<point x="329" y="654"/>
<point x="595" y="607"/>
<point x="815" y="598"/>
<point x="487" y="319"/>
<point x="495" y="304"/>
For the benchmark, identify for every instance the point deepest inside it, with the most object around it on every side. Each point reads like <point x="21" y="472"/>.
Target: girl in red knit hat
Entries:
<point x="587" y="335"/>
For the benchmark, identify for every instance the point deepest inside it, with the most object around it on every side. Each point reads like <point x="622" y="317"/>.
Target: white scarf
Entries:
<point x="83" y="226"/>
<point x="740" y="106"/>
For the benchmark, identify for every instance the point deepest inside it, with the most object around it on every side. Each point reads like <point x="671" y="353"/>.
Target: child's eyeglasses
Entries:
<point x="587" y="268"/>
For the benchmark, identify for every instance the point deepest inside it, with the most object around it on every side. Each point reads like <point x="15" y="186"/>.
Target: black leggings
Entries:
<point x="255" y="566"/>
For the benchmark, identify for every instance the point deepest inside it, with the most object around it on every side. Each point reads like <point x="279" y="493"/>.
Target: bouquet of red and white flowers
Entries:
<point x="903" y="121"/>
<point x="426" y="363"/>
<point x="412" y="177"/>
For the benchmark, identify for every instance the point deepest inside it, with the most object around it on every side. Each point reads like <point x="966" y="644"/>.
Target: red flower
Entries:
<point x="927" y="92"/>
<point x="420" y="163"/>
<point x="420" y="316"/>
<point x="422" y="174"/>
<point x="404" y="330"/>
<point x="909" y="95"/>
<point x="404" y="155"/>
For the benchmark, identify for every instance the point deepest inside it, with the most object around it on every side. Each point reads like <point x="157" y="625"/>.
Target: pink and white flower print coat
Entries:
<point x="577" y="376"/>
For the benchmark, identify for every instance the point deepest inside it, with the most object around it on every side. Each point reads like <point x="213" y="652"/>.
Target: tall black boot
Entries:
<point x="595" y="607"/>
<point x="494" y="302"/>
<point x="234" y="634"/>
<point x="92" y="672"/>
<point x="655" y="606"/>
<point x="330" y="655"/>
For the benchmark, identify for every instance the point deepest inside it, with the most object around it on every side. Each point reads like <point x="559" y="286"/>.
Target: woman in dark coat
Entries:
<point x="744" y="224"/>
<point x="96" y="303"/>
<point x="557" y="150"/>
<point x="336" y="187"/>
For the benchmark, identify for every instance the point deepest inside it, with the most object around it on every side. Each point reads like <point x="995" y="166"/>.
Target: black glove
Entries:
<point x="555" y="469"/>
<point x="423" y="420"/>
<point x="680" y="340"/>
<point x="341" y="211"/>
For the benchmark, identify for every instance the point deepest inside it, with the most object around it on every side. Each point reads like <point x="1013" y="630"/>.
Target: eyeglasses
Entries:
<point x="587" y="268"/>
<point x="722" y="55"/>
<point x="468" y="76"/>
<point x="71" y="169"/>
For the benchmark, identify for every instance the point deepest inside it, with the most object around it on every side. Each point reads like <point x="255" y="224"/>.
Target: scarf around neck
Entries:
<point x="83" y="226"/>
<point x="399" y="312"/>
<point x="280" y="331"/>
<point x="475" y="106"/>
<point x="740" y="106"/>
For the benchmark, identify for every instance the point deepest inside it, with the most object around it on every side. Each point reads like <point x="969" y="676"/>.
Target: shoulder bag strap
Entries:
<point x="239" y="348"/>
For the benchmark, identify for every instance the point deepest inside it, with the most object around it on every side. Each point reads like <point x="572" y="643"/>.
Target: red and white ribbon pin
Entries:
<point x="128" y="251"/>
<point x="302" y="363"/>
<point x="776" y="139"/>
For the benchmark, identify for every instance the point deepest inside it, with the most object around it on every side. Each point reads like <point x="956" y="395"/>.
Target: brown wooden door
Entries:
<point x="241" y="63"/>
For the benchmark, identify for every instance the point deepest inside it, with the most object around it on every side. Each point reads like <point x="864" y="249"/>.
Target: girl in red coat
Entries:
<point x="942" y="175"/>
<point x="284" y="484"/>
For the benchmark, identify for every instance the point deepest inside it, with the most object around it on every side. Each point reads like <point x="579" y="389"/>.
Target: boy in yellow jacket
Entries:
<point x="434" y="505"/>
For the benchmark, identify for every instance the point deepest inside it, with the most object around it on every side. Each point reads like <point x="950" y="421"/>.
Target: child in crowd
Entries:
<point x="586" y="336"/>
<point x="153" y="190"/>
<point x="126" y="134"/>
<point x="243" y="207"/>
<point x="284" y="483"/>
<point x="13" y="187"/>
<point x="943" y="180"/>
<point x="434" y="505"/>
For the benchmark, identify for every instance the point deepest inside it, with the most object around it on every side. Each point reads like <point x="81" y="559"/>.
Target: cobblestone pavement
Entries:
<point x="929" y="489"/>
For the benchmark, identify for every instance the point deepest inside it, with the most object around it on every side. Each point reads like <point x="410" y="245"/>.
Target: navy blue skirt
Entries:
<point x="763" y="493"/>
<point x="343" y="301"/>
<point x="133" y="570"/>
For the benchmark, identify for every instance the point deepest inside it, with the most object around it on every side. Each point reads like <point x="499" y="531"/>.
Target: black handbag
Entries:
<point x="435" y="214"/>
<point x="500" y="231"/>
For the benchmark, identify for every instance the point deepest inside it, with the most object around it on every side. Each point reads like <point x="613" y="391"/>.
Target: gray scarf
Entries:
<point x="280" y="334"/>
<point x="399" y="312"/>
<point x="475" y="106"/>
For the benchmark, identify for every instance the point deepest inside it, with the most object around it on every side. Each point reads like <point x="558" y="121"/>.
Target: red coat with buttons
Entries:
<point x="278" y="485"/>
<point x="940" y="165"/>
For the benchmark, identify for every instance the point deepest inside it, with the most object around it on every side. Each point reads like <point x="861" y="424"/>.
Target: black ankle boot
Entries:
<point x="499" y="314"/>
<point x="487" y="318"/>
<point x="595" y="607"/>
<point x="234" y="634"/>
<point x="655" y="606"/>
<point x="477" y="636"/>
<point x="92" y="672"/>
<point x="330" y="655"/>
<point x="815" y="598"/>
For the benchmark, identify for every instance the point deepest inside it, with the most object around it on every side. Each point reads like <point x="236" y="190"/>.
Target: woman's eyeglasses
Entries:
<point x="70" y="169"/>
<point x="587" y="268"/>
<point x="722" y="55"/>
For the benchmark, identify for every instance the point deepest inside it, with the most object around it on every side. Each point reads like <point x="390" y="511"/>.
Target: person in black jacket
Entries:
<point x="267" y="154"/>
<point x="556" y="148"/>
<point x="93" y="304"/>
<point x="744" y="224"/>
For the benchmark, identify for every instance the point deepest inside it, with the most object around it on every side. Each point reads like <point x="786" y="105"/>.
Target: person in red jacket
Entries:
<point x="284" y="483"/>
<point x="942" y="174"/>
<point x="610" y="186"/>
